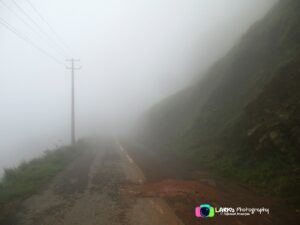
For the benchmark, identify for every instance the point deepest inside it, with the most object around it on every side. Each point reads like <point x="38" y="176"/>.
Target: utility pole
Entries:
<point x="73" y="68"/>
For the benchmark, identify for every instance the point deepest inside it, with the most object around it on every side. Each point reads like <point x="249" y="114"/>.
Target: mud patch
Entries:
<point x="171" y="188"/>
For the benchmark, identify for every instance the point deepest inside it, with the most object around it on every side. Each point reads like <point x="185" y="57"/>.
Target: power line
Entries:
<point x="28" y="40"/>
<point x="16" y="14"/>
<point x="37" y="26"/>
<point x="58" y="37"/>
<point x="23" y="21"/>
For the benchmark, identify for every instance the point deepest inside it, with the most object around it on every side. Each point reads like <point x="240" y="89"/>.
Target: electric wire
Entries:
<point x="55" y="33"/>
<point x="28" y="40"/>
<point x="41" y="30"/>
<point x="24" y="21"/>
<point x="16" y="14"/>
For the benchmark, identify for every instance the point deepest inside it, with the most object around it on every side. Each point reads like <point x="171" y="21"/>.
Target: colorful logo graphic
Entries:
<point x="205" y="210"/>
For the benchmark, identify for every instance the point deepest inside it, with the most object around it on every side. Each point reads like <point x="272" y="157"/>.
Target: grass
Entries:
<point x="271" y="176"/>
<point x="31" y="177"/>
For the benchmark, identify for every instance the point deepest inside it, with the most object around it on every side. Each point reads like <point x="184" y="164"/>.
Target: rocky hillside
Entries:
<point x="243" y="118"/>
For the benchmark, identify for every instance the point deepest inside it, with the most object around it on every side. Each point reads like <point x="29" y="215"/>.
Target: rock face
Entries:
<point x="244" y="115"/>
<point x="278" y="108"/>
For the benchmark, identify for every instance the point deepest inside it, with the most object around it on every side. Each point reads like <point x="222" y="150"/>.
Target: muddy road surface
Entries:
<point x="89" y="192"/>
<point x="118" y="184"/>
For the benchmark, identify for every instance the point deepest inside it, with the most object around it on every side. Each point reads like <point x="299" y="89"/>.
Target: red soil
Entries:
<point x="171" y="188"/>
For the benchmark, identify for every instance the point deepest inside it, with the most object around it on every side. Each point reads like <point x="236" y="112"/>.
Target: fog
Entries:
<point x="133" y="53"/>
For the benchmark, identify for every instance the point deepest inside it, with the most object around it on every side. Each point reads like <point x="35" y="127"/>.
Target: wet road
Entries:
<point x="88" y="193"/>
<point x="114" y="184"/>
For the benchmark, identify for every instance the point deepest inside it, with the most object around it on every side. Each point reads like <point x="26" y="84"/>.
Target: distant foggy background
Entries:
<point x="133" y="53"/>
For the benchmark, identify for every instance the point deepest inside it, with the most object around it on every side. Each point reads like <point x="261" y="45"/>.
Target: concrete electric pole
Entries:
<point x="73" y="68"/>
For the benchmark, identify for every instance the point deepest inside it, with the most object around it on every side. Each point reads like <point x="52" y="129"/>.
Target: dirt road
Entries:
<point x="114" y="184"/>
<point x="90" y="192"/>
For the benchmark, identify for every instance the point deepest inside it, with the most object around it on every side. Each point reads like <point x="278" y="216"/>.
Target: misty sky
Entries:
<point x="133" y="53"/>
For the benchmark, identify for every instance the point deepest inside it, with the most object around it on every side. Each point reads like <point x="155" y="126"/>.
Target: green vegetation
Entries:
<point x="242" y="119"/>
<point x="271" y="176"/>
<point x="31" y="177"/>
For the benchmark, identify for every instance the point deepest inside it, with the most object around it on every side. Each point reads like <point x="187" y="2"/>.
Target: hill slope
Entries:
<point x="242" y="119"/>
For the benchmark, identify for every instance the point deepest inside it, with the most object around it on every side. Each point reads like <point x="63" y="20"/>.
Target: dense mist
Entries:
<point x="133" y="53"/>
